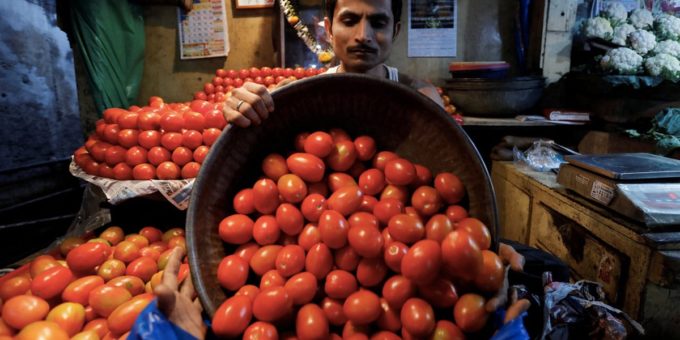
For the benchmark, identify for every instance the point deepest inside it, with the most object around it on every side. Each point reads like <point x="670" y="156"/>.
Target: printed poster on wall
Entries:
<point x="203" y="31"/>
<point x="432" y="28"/>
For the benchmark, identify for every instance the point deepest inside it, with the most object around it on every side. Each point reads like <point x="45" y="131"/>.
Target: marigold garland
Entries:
<point x="324" y="55"/>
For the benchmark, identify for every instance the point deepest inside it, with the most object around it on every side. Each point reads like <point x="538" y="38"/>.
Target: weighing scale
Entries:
<point x="642" y="186"/>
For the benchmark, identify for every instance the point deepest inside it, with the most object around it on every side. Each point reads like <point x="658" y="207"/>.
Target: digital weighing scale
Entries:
<point x="642" y="186"/>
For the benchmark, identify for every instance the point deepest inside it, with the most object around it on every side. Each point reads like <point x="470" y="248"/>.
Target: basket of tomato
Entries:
<point x="358" y="206"/>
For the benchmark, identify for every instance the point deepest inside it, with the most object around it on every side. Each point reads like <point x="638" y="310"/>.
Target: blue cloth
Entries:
<point x="152" y="324"/>
<point x="513" y="330"/>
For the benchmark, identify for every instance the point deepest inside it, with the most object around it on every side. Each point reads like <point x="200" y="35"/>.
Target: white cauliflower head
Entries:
<point x="667" y="27"/>
<point x="664" y="65"/>
<point x="598" y="27"/>
<point x="615" y="12"/>
<point x="670" y="47"/>
<point x="642" y="41"/>
<point x="621" y="60"/>
<point x="621" y="33"/>
<point x="641" y="18"/>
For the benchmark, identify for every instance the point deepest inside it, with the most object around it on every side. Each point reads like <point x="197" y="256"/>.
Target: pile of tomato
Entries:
<point x="158" y="141"/>
<point x="91" y="288"/>
<point x="338" y="238"/>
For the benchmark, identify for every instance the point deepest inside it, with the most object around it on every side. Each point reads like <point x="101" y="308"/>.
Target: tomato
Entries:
<point x="371" y="272"/>
<point x="138" y="240"/>
<point x="311" y="323"/>
<point x="151" y="252"/>
<point x="22" y="310"/>
<point x="290" y="260"/>
<point x="399" y="193"/>
<point x="123" y="317"/>
<point x="106" y="171"/>
<point x="132" y="284"/>
<point x="426" y="201"/>
<point x="69" y="244"/>
<point x="42" y="330"/>
<point x="111" y="115"/>
<point x="274" y="166"/>
<point x="113" y="234"/>
<point x="152" y="234"/>
<point x="319" y="261"/>
<point x="201" y="153"/>
<point x="14" y="286"/>
<point x="400" y="171"/>
<point x="365" y="147"/>
<point x="86" y="335"/>
<point x="51" y="282"/>
<point x="272" y="278"/>
<point x="312" y="206"/>
<point x="261" y="331"/>
<point x="438" y="227"/>
<point x="366" y="240"/>
<point x="477" y="230"/>
<point x="6" y="332"/>
<point x="289" y="219"/>
<point x="246" y="251"/>
<point x="355" y="332"/>
<point x="171" y="140"/>
<point x="249" y="291"/>
<point x="272" y="304"/>
<point x="340" y="284"/>
<point x="381" y="158"/>
<point x="300" y="141"/>
<point x="347" y="259"/>
<point x="158" y="155"/>
<point x="114" y="155"/>
<point x="265" y="196"/>
<point x="105" y="299"/>
<point x="372" y="181"/>
<point x="417" y="317"/>
<point x="339" y="180"/>
<point x="318" y="144"/>
<point x="98" y="150"/>
<point x="333" y="228"/>
<point x="177" y="241"/>
<point x="491" y="275"/>
<point x="446" y="330"/>
<point x="69" y="316"/>
<point x="215" y="119"/>
<point x="160" y="246"/>
<point x="362" y="307"/>
<point x="126" y="251"/>
<point x="182" y="156"/>
<point x="264" y="259"/>
<point x="406" y="229"/>
<point x="317" y="188"/>
<point x="469" y="313"/>
<point x="127" y="138"/>
<point x="110" y="269"/>
<point x="168" y="170"/>
<point x="333" y="310"/>
<point x="266" y="230"/>
<point x="362" y="218"/>
<point x="192" y="139"/>
<point x="456" y="213"/>
<point x="142" y="267"/>
<point x="423" y="176"/>
<point x="144" y="171"/>
<point x="128" y="120"/>
<point x="232" y="317"/>
<point x="385" y="335"/>
<point x="172" y="122"/>
<point x="345" y="200"/>
<point x="397" y="289"/>
<point x="307" y="166"/>
<point x="394" y="254"/>
<point x="422" y="262"/>
<point x="79" y="290"/>
<point x="309" y="236"/>
<point x="149" y="121"/>
<point x="111" y="133"/>
<point x="243" y="202"/>
<point x="461" y="255"/>
<point x="389" y="318"/>
<point x="440" y="293"/>
<point x="100" y="326"/>
<point x="368" y="203"/>
<point x="122" y="172"/>
<point x="385" y="209"/>
<point x="342" y="156"/>
<point x="302" y="288"/>
<point x="450" y="187"/>
<point x="236" y="229"/>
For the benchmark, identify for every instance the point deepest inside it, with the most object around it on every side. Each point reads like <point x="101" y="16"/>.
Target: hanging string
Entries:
<point x="324" y="55"/>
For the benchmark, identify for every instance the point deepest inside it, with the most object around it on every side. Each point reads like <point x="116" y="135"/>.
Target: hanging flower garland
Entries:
<point x="324" y="55"/>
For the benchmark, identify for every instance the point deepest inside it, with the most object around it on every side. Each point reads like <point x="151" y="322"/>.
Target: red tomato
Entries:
<point x="111" y="115"/>
<point x="426" y="201"/>
<point x="385" y="209"/>
<point x="111" y="133"/>
<point x="389" y="318"/>
<point x="368" y="203"/>
<point x="333" y="228"/>
<point x="342" y="156"/>
<point x="243" y="202"/>
<point x="172" y="122"/>
<point x="191" y="139"/>
<point x="122" y="172"/>
<point x="339" y="180"/>
<point x="292" y="188"/>
<point x="362" y="307"/>
<point x="400" y="172"/>
<point x="318" y="188"/>
<point x="399" y="193"/>
<point x="201" y="153"/>
<point x="261" y="331"/>
<point x="6" y="332"/>
<point x="42" y="330"/>
<point x="236" y="229"/>
<point x="461" y="255"/>
<point x="438" y="227"/>
<point x="446" y="330"/>
<point x="215" y="119"/>
<point x="394" y="254"/>
<point x="98" y="151"/>
<point x="478" y="231"/>
<point x="210" y="136"/>
<point x="362" y="218"/>
<point x="132" y="284"/>
<point x="272" y="278"/>
<point x="148" y="251"/>
<point x="289" y="219"/>
<point x="340" y="284"/>
<point x="272" y="304"/>
<point x="423" y="176"/>
<point x="137" y="239"/>
<point x="355" y="332"/>
<point x="69" y="316"/>
<point x="381" y="159"/>
<point x="142" y="267"/>
<point x="99" y="326"/>
<point x="249" y="291"/>
<point x="182" y="156"/>
<point x="311" y="323"/>
<point x="309" y="167"/>
<point x="366" y="240"/>
<point x="385" y="335"/>
<point x="440" y="293"/>
<point x="144" y="171"/>
<point x="51" y="282"/>
<point x="105" y="299"/>
<point x="309" y="236"/>
<point x="371" y="272"/>
<point x="406" y="229"/>
<point x="126" y="251"/>
<point x="469" y="313"/>
<point x="372" y="181"/>
<point x="397" y="289"/>
<point x="290" y="260"/>
<point x="319" y="261"/>
<point x="171" y="140"/>
<point x="264" y="259"/>
<point x="194" y="120"/>
<point x="22" y="310"/>
<point x="113" y="234"/>
<point x="12" y="287"/>
<point x="318" y="144"/>
<point x="79" y="290"/>
<point x="274" y="166"/>
<point x="345" y="200"/>
<point x="312" y="207"/>
<point x="299" y="72"/>
<point x="158" y="155"/>
<point x="365" y="147"/>
<point x="246" y="251"/>
<point x="347" y="259"/>
<point x="265" y="196"/>
<point x="333" y="311"/>
<point x="127" y="120"/>
<point x="220" y="72"/>
<point x="491" y="275"/>
<point x="302" y="288"/>
<point x="266" y="230"/>
<point x="422" y="262"/>
<point x="123" y="317"/>
<point x="417" y="317"/>
<point x="149" y="121"/>
<point x="151" y="233"/>
<point x="127" y="138"/>
<point x="450" y="187"/>
<point x="456" y="213"/>
<point x="168" y="170"/>
<point x="114" y="154"/>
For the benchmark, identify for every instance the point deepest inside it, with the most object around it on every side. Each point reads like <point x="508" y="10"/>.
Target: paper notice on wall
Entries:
<point x="432" y="28"/>
<point x="203" y="31"/>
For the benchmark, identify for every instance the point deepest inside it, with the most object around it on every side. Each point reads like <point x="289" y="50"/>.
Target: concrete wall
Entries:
<point x="484" y="33"/>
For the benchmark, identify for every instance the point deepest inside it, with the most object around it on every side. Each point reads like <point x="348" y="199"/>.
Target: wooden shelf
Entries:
<point x="478" y="121"/>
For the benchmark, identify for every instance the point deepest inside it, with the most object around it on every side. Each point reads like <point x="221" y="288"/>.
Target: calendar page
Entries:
<point x="203" y="31"/>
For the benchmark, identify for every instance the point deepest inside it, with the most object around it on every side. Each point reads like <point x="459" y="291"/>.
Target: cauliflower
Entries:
<point x="621" y="33"/>
<point x="667" y="27"/>
<point x="641" y="18"/>
<point x="621" y="60"/>
<point x="642" y="41"/>
<point x="664" y="65"/>
<point x="598" y="27"/>
<point x="615" y="12"/>
<point x="670" y="47"/>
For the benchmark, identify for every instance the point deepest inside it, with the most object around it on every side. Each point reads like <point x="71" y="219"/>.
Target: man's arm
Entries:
<point x="423" y="87"/>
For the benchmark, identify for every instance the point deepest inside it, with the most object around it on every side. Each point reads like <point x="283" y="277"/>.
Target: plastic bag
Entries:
<point x="152" y="324"/>
<point x="513" y="330"/>
<point x="540" y="156"/>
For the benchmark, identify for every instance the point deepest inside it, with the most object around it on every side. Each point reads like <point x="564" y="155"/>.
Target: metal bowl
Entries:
<point x="483" y="97"/>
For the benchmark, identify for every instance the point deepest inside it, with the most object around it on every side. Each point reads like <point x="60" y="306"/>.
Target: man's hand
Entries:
<point x="176" y="303"/>
<point x="248" y="104"/>
<point x="514" y="261"/>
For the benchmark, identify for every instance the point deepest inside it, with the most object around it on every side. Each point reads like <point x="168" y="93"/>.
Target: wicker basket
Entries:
<point x="399" y="119"/>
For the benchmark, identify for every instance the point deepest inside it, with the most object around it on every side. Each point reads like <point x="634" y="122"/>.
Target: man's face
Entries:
<point x="361" y="33"/>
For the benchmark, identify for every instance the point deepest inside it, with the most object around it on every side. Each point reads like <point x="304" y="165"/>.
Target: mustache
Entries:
<point x="362" y="48"/>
